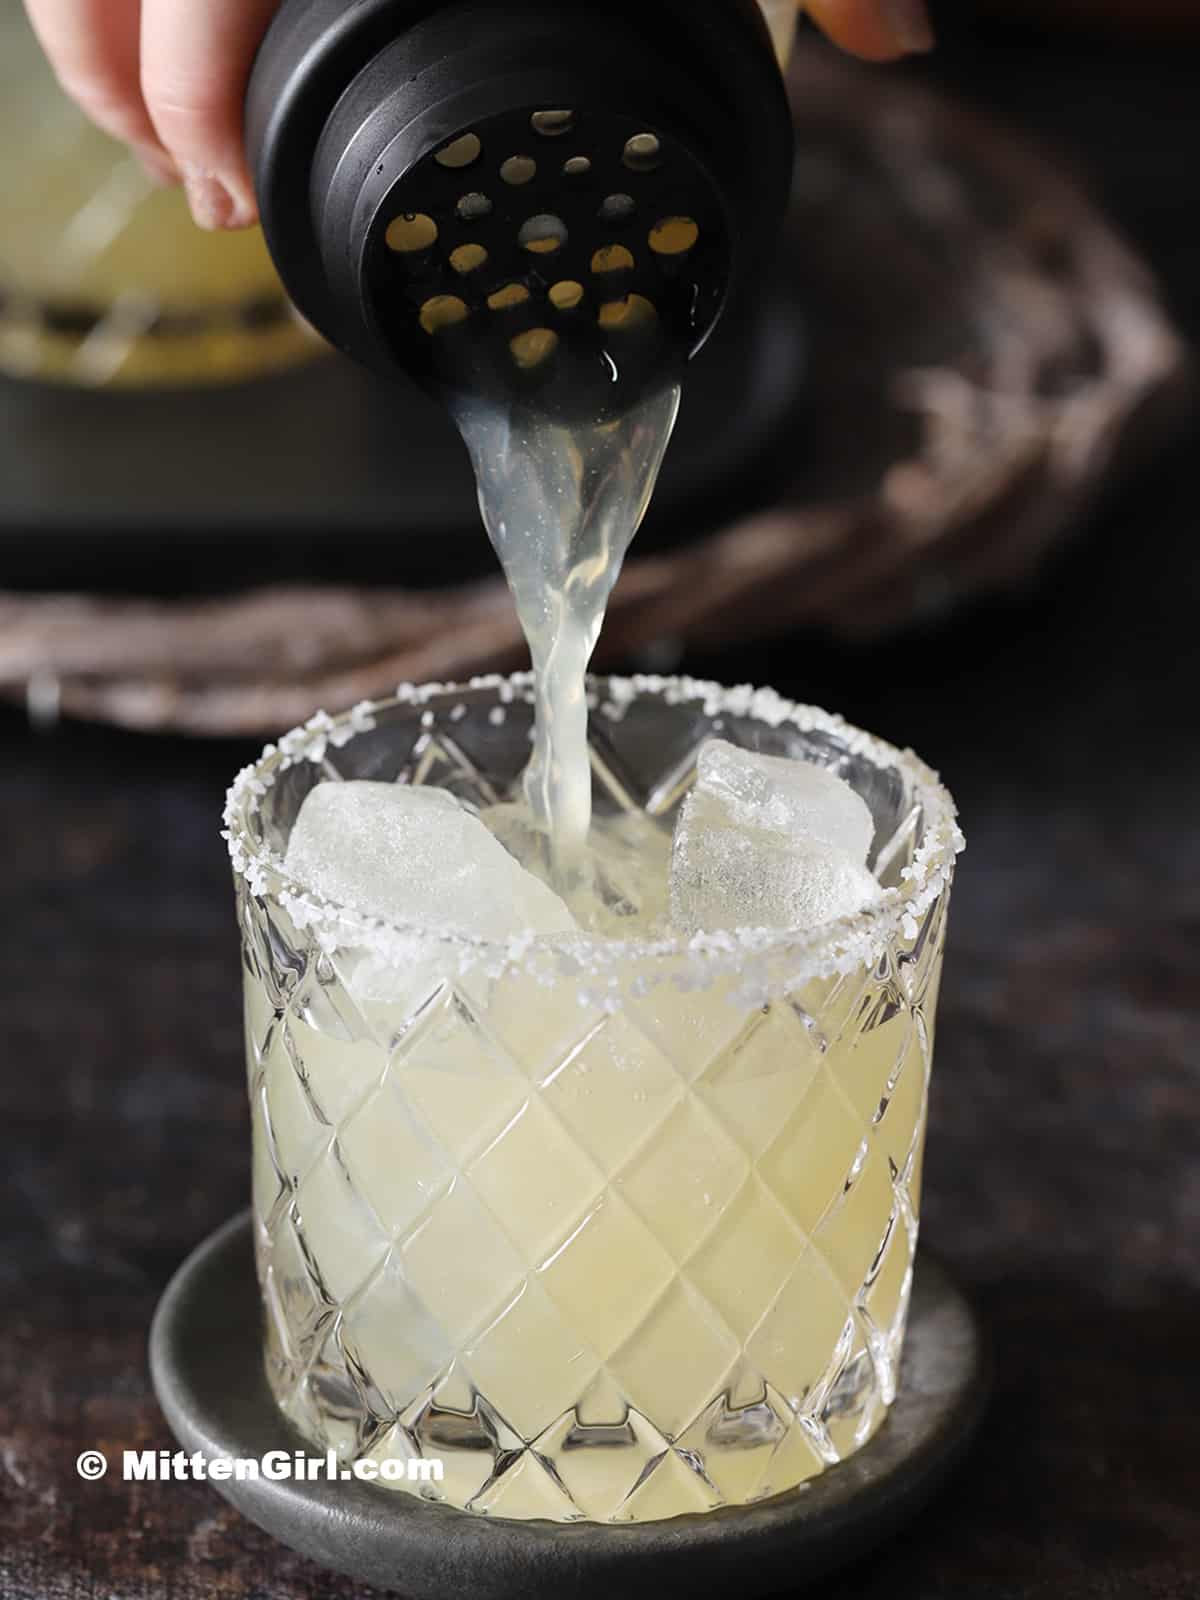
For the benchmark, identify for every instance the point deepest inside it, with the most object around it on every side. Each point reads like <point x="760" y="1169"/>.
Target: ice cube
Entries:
<point x="764" y="842"/>
<point x="514" y="824"/>
<point x="416" y="856"/>
<point x="785" y="795"/>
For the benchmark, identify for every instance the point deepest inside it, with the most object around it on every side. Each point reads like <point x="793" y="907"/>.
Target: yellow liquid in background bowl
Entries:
<point x="104" y="278"/>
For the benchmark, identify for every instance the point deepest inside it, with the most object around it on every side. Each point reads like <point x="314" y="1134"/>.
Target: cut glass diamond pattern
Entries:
<point x="458" y="1081"/>
<point x="583" y="1453"/>
<point x="392" y="1160"/>
<point x="341" y="1232"/>
<point x="608" y="1266"/>
<point x="608" y="1274"/>
<point x="464" y="1287"/>
<point x="744" y="1086"/>
<point x="558" y="1364"/>
<point x="746" y="1257"/>
<point x="672" y="1485"/>
<point x="682" y="1325"/>
<point x="613" y="1092"/>
<point x="537" y="1179"/>
<point x="735" y="1445"/>
<point x="394" y="1343"/>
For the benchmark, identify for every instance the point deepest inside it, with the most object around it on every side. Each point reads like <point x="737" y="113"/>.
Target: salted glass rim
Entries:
<point x="784" y="955"/>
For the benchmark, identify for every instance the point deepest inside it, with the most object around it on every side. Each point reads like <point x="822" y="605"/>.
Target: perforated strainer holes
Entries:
<point x="410" y="233"/>
<point x="543" y="235"/>
<point x="552" y="124"/>
<point x="612" y="258"/>
<point x="633" y="314"/>
<point x="442" y="311"/>
<point x="468" y="258"/>
<point x="512" y="294"/>
<point x="566" y="295"/>
<point x="473" y="206"/>
<point x="642" y="153"/>
<point x="577" y="167"/>
<point x="617" y="208"/>
<point x="518" y="170"/>
<point x="673" y="236"/>
<point x="531" y="348"/>
<point x="459" y="152"/>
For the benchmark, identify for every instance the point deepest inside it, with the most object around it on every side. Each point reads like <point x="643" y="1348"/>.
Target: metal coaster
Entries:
<point x="206" y="1365"/>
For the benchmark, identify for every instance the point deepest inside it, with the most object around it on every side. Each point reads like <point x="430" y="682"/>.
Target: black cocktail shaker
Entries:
<point x="534" y="198"/>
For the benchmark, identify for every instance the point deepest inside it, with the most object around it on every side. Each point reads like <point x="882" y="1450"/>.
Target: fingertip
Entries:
<point x="218" y="203"/>
<point x="875" y="30"/>
<point x="243" y="215"/>
<point x="245" y="202"/>
<point x="210" y="202"/>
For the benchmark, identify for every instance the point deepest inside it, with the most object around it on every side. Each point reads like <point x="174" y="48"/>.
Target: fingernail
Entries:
<point x="211" y="203"/>
<point x="910" y="26"/>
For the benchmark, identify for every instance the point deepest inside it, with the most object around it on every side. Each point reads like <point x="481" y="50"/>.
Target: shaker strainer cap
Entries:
<point x="542" y="199"/>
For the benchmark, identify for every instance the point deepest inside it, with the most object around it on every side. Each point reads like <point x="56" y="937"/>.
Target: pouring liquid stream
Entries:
<point x="561" y="504"/>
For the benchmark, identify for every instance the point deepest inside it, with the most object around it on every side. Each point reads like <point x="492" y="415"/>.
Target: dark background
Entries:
<point x="1063" y="1182"/>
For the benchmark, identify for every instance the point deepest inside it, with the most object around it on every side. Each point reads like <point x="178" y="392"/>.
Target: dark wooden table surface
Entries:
<point x="1063" y="1181"/>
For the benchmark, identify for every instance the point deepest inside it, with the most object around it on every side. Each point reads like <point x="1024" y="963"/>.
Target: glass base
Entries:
<point x="205" y="1350"/>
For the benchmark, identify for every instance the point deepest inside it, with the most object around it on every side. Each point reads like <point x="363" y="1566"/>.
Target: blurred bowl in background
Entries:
<point x="104" y="278"/>
<point x="983" y="359"/>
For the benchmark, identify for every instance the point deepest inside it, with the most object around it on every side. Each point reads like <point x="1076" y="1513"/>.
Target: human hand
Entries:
<point x="169" y="76"/>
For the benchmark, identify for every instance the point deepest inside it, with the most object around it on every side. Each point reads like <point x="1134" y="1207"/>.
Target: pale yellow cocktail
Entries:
<point x="616" y="1224"/>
